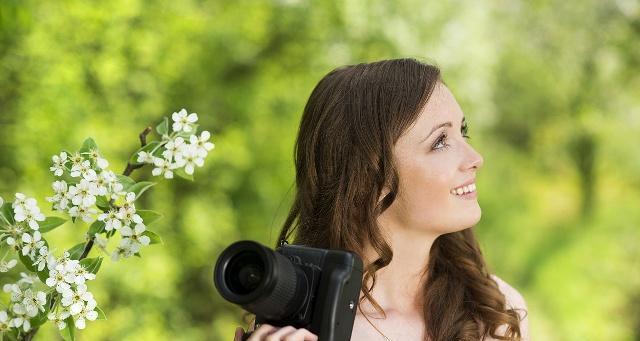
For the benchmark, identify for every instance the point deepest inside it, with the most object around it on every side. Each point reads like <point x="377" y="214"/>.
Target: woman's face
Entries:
<point x="433" y="159"/>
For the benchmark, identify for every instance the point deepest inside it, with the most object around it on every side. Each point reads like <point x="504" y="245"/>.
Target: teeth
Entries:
<point x="464" y="189"/>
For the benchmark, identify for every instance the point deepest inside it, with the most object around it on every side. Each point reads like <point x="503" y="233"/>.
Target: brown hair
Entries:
<point x="343" y="159"/>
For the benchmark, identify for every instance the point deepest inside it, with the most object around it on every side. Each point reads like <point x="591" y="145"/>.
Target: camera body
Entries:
<point x="305" y="287"/>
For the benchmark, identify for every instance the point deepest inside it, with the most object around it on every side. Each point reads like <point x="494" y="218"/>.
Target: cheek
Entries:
<point x="424" y="194"/>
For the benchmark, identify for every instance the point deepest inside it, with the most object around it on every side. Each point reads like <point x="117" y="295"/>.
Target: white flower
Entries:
<point x="83" y="275"/>
<point x="33" y="302"/>
<point x="56" y="279"/>
<point x="127" y="212"/>
<point x="111" y="181"/>
<point x="100" y="241"/>
<point x="111" y="220"/>
<point x="173" y="148"/>
<point x="4" y="321"/>
<point x="136" y="235"/>
<point x="27" y="279"/>
<point x="21" y="318"/>
<point x="183" y="122"/>
<point x="100" y="162"/>
<point x="6" y="266"/>
<point x="144" y="157"/>
<point x="125" y="249"/>
<point x="88" y="313"/>
<point x="26" y="209"/>
<point x="76" y="159"/>
<point x="75" y="299"/>
<point x="163" y="166"/>
<point x="84" y="193"/>
<point x="202" y="144"/>
<point x="14" y="290"/>
<point x="84" y="213"/>
<point x="101" y="185"/>
<point x="58" y="319"/>
<point x="61" y="198"/>
<point x="43" y="258"/>
<point x="189" y="159"/>
<point x="58" y="164"/>
<point x="85" y="170"/>
<point x="21" y="200"/>
<point x="31" y="244"/>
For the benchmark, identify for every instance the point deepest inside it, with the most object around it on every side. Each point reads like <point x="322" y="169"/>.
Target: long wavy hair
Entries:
<point x="343" y="159"/>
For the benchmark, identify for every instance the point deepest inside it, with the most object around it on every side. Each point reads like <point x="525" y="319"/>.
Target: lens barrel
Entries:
<point x="260" y="280"/>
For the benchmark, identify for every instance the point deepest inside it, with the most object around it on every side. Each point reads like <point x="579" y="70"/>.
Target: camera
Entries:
<point x="301" y="286"/>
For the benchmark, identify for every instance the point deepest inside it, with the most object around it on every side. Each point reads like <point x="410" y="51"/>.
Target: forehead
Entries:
<point x="441" y="107"/>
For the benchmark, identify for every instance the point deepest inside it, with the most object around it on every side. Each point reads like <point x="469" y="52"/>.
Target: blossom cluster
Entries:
<point x="183" y="148"/>
<point x="67" y="276"/>
<point x="78" y="199"/>
<point x="95" y="181"/>
<point x="87" y="191"/>
<point x="25" y="304"/>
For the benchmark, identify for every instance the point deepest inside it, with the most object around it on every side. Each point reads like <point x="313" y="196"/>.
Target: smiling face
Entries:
<point x="433" y="159"/>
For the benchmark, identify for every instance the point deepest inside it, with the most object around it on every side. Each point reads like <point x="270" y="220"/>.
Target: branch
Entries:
<point x="87" y="248"/>
<point x="143" y="142"/>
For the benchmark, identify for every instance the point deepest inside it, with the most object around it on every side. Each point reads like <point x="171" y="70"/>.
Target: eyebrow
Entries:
<point x="444" y="124"/>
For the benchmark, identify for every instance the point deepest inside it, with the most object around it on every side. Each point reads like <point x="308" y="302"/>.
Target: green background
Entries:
<point x="549" y="88"/>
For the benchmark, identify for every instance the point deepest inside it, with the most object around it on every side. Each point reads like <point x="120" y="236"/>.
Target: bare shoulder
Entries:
<point x="513" y="296"/>
<point x="515" y="300"/>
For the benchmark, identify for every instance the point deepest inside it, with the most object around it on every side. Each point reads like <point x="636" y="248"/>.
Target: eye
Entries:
<point x="465" y="130"/>
<point x="440" y="144"/>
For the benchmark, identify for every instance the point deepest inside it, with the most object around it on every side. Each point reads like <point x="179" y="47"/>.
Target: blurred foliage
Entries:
<point x="549" y="87"/>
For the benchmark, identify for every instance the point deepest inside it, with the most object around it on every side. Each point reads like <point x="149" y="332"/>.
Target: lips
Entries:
<point x="468" y="187"/>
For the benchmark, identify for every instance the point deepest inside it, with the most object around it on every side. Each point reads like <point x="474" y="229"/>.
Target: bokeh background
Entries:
<point x="550" y="89"/>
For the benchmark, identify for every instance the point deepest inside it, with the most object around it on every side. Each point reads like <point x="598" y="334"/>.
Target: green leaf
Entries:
<point x="69" y="332"/>
<point x="181" y="173"/>
<point x="26" y="261"/>
<point x="88" y="145"/>
<point x="76" y="251"/>
<point x="101" y="315"/>
<point x="66" y="176"/>
<point x="7" y="212"/>
<point x="103" y="203"/>
<point x="96" y="227"/>
<point x="92" y="264"/>
<point x="50" y="223"/>
<point x="125" y="181"/>
<point x="154" y="238"/>
<point x="140" y="187"/>
<point x="148" y="216"/>
<point x="43" y="275"/>
<point x="163" y="128"/>
<point x="147" y="148"/>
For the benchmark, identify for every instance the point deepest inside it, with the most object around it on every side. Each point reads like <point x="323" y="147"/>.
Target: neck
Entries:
<point x="399" y="285"/>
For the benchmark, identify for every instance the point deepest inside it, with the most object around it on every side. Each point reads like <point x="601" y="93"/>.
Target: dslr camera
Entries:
<point x="305" y="287"/>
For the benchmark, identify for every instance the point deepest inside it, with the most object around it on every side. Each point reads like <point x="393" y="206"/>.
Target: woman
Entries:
<point x="383" y="168"/>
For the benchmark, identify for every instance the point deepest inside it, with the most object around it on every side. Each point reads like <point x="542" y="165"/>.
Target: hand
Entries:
<point x="268" y="332"/>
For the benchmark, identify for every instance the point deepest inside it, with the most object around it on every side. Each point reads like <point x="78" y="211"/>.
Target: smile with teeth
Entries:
<point x="464" y="189"/>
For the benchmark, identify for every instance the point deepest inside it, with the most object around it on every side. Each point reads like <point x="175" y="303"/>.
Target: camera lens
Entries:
<point x="245" y="273"/>
<point x="262" y="281"/>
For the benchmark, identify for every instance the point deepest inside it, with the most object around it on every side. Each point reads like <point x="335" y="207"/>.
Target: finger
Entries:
<point x="238" y="334"/>
<point x="277" y="335"/>
<point x="263" y="330"/>
<point x="301" y="335"/>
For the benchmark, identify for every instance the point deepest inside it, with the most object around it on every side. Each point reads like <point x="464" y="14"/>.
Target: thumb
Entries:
<point x="239" y="333"/>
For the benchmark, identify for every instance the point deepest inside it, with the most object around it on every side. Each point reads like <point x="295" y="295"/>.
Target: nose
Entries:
<point x="474" y="160"/>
